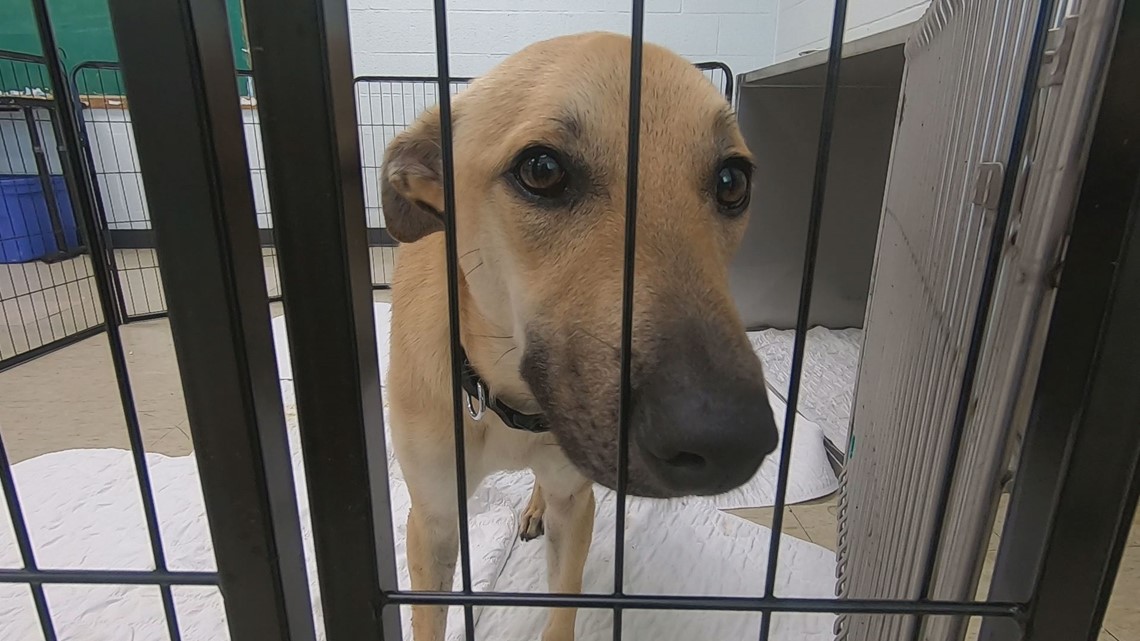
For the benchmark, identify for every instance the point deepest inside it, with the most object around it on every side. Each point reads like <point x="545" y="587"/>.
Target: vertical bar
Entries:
<point x="24" y="543"/>
<point x="178" y="70"/>
<point x="815" y="218"/>
<point x="44" y="171"/>
<point x="452" y="252"/>
<point x="988" y="285"/>
<point x="93" y="209"/>
<point x="625" y="404"/>
<point x="69" y="145"/>
<point x="1081" y="451"/>
<point x="302" y="67"/>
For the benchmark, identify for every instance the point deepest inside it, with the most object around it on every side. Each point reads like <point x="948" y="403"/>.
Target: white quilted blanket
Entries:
<point x="811" y="475"/>
<point x="83" y="511"/>
<point x="831" y="366"/>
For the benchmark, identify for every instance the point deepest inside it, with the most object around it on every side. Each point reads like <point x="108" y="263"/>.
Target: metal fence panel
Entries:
<point x="47" y="289"/>
<point x="928" y="402"/>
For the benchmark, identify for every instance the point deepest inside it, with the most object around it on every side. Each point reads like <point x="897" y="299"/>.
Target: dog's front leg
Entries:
<point x="433" y="546"/>
<point x="569" y="525"/>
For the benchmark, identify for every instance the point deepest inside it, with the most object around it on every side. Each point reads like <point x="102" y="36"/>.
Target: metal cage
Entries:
<point x="1074" y="488"/>
<point x="47" y="293"/>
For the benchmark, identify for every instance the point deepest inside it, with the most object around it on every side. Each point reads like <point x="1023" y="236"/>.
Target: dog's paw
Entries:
<point x="530" y="525"/>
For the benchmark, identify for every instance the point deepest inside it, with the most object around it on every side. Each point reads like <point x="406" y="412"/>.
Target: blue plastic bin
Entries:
<point x="25" y="227"/>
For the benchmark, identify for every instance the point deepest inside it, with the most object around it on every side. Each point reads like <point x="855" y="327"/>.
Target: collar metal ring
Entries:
<point x="477" y="413"/>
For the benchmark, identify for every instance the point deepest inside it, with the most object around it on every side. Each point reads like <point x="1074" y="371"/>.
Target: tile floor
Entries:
<point x="34" y="420"/>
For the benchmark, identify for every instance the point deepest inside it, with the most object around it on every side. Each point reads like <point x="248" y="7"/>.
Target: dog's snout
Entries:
<point x="704" y="429"/>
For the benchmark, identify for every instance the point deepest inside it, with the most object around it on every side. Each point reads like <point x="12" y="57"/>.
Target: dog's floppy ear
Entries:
<point x="411" y="183"/>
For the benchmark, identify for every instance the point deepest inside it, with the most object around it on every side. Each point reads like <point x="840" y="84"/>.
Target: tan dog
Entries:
<point x="540" y="146"/>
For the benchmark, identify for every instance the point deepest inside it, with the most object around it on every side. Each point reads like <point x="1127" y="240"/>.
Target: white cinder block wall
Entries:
<point x="396" y="37"/>
<point x="805" y="25"/>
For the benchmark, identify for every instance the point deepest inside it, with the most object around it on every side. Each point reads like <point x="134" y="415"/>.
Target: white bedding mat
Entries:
<point x="83" y="511"/>
<point x="810" y="474"/>
<point x="831" y="366"/>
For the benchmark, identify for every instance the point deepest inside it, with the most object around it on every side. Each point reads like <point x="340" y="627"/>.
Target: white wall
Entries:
<point x="397" y="37"/>
<point x="804" y="25"/>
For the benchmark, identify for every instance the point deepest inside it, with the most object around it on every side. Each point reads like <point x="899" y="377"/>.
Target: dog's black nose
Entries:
<point x="704" y="435"/>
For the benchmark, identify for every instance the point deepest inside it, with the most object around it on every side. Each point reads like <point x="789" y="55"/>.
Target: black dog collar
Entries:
<point x="479" y="401"/>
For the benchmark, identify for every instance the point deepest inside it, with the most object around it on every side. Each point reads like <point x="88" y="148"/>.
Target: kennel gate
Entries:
<point x="179" y="67"/>
<point x="979" y="199"/>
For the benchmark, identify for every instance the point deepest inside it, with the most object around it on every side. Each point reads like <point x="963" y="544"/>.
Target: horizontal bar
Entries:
<point x="427" y="79"/>
<point x="17" y="56"/>
<point x="47" y="348"/>
<point x="712" y="603"/>
<point x="144" y="239"/>
<point x="109" y="577"/>
<point x="729" y="80"/>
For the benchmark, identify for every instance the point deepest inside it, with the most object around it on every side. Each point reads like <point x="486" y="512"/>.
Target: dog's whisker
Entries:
<point x="468" y="253"/>
<point x="501" y="356"/>
<point x="468" y="272"/>
<point x="489" y="336"/>
<point x="588" y="334"/>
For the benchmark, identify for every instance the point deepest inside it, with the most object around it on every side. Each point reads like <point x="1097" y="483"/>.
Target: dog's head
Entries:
<point x="540" y="149"/>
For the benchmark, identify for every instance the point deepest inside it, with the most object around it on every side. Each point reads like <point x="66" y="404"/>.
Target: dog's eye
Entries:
<point x="540" y="172"/>
<point x="733" y="186"/>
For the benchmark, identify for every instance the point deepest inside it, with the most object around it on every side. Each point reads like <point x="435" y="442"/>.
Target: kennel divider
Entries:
<point x="302" y="62"/>
<point x="803" y="307"/>
<point x="1081" y="452"/>
<point x="455" y="349"/>
<point x="625" y="398"/>
<point x="179" y="70"/>
<point x="70" y="142"/>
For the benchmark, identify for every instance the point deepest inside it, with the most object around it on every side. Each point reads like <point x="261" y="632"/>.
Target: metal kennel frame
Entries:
<point x="1075" y="489"/>
<point x="46" y="301"/>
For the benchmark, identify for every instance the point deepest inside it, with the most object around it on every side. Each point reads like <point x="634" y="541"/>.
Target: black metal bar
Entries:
<point x="1082" y="449"/>
<point x="302" y="65"/>
<point x="723" y="68"/>
<point x="44" y="171"/>
<point x="31" y="572"/>
<point x="43" y="350"/>
<point x="625" y="404"/>
<point x="178" y="70"/>
<point x="423" y="79"/>
<point x="985" y="300"/>
<point x="69" y="145"/>
<point x="109" y="577"/>
<point x="19" y="56"/>
<point x="93" y="208"/>
<point x="451" y="251"/>
<point x="708" y="603"/>
<point x="704" y="66"/>
<point x="807" y="282"/>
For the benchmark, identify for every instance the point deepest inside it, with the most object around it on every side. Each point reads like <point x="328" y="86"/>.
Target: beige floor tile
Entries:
<point x="1134" y="535"/>
<point x="819" y="520"/>
<point x="1123" y="616"/>
<point x="69" y="399"/>
<point x="763" y="516"/>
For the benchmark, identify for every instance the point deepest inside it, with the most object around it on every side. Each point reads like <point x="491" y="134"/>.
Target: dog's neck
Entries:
<point x="494" y="351"/>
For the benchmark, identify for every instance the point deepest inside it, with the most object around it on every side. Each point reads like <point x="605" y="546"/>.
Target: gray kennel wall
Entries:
<point x="780" y="109"/>
<point x="966" y="66"/>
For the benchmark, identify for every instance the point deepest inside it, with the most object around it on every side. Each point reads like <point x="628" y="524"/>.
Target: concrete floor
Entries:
<point x="69" y="399"/>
